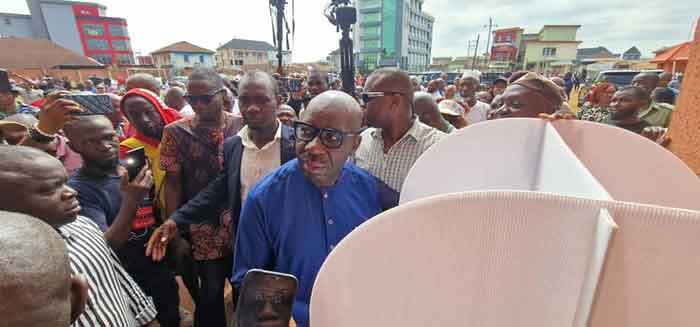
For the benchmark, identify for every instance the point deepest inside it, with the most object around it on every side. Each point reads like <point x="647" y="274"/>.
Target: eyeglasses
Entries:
<point x="331" y="138"/>
<point x="206" y="98"/>
<point x="369" y="96"/>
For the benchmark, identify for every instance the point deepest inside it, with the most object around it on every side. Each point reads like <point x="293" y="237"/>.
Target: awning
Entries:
<point x="561" y="63"/>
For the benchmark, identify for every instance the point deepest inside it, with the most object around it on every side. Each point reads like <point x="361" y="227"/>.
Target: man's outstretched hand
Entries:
<point x="161" y="237"/>
<point x="56" y="112"/>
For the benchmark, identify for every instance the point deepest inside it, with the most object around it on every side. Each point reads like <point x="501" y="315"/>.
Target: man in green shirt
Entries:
<point x="657" y="114"/>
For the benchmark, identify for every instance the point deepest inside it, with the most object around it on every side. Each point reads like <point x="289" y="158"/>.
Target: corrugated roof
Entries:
<point x="182" y="46"/>
<point x="247" y="45"/>
<point x="40" y="53"/>
<point x="633" y="50"/>
<point x="679" y="52"/>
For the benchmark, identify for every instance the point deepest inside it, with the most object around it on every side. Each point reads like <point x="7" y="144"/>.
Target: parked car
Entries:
<point x="429" y="76"/>
<point x="621" y="77"/>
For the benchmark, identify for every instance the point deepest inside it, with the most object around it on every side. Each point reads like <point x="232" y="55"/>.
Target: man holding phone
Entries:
<point x="122" y="209"/>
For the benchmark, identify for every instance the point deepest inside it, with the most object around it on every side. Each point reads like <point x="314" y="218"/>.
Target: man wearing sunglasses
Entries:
<point x="294" y="217"/>
<point x="396" y="138"/>
<point x="192" y="157"/>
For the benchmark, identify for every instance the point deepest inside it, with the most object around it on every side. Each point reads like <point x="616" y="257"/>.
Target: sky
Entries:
<point x="615" y="24"/>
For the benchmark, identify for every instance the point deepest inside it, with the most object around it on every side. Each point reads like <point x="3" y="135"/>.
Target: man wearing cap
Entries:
<point x="428" y="113"/>
<point x="396" y="138"/>
<point x="8" y="98"/>
<point x="478" y="110"/>
<point x="499" y="85"/>
<point x="529" y="96"/>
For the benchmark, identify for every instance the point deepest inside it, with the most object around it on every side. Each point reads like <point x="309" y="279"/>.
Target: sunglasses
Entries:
<point x="206" y="98"/>
<point x="369" y="96"/>
<point x="330" y="137"/>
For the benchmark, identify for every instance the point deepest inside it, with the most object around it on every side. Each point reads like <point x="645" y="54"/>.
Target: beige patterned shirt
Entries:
<point x="257" y="163"/>
<point x="393" y="166"/>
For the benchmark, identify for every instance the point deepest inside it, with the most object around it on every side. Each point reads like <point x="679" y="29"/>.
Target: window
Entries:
<point x="103" y="58"/>
<point x="368" y="32"/>
<point x="232" y="62"/>
<point x="201" y="59"/>
<point x="97" y="44"/>
<point x="509" y="38"/>
<point x="121" y="45"/>
<point x="374" y="17"/>
<point x="125" y="59"/>
<point x="239" y="62"/>
<point x="93" y="30"/>
<point x="187" y="58"/>
<point x="118" y="30"/>
<point x="549" y="52"/>
<point x="8" y="22"/>
<point x="370" y="44"/>
<point x="370" y="3"/>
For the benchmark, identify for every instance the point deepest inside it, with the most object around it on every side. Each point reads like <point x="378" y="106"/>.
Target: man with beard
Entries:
<point x="34" y="183"/>
<point x="123" y="210"/>
<point x="191" y="154"/>
<point x="624" y="109"/>
<point x="478" y="111"/>
<point x="294" y="217"/>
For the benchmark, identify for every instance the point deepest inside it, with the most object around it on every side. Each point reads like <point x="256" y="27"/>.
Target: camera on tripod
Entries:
<point x="342" y="14"/>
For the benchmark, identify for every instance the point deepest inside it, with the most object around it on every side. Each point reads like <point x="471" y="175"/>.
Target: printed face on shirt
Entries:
<point x="144" y="116"/>
<point x="258" y="104"/>
<point x="39" y="189"/>
<point x="267" y="302"/>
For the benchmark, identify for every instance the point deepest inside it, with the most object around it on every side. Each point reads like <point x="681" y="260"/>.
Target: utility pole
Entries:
<point x="476" y="50"/>
<point x="491" y="25"/>
<point x="279" y="5"/>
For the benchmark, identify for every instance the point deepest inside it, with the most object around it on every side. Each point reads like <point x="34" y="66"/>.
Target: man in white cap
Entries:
<point x="478" y="110"/>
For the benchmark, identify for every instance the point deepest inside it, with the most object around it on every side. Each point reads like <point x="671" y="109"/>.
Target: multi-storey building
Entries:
<point x="505" y="49"/>
<point x="552" y="50"/>
<point x="249" y="54"/>
<point x="393" y="33"/>
<point x="82" y="27"/>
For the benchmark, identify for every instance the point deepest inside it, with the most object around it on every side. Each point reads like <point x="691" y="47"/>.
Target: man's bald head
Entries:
<point x="336" y="103"/>
<point x="390" y="80"/>
<point x="76" y="128"/>
<point x="174" y="98"/>
<point x="143" y="81"/>
<point x="664" y="79"/>
<point x="423" y="100"/>
<point x="646" y="80"/>
<point x="35" y="276"/>
<point x="395" y="108"/>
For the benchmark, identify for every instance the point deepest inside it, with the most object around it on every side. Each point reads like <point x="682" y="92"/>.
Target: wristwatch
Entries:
<point x="38" y="136"/>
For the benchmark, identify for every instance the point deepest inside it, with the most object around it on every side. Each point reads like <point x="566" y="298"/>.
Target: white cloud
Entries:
<point x="616" y="24"/>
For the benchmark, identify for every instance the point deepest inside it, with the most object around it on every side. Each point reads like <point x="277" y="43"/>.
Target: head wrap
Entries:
<point x="168" y="115"/>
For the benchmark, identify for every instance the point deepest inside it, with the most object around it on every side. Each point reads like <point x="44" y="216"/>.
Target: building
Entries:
<point x="551" y="51"/>
<point x="81" y="27"/>
<point x="239" y="54"/>
<point x="505" y="49"/>
<point x="334" y="60"/>
<point x="181" y="57"/>
<point x="144" y="60"/>
<point x="393" y="33"/>
<point x="632" y="54"/>
<point x="673" y="59"/>
<point x="590" y="55"/>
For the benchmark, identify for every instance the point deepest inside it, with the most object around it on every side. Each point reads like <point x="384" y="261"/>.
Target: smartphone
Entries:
<point x="266" y="299"/>
<point x="92" y="104"/>
<point x="134" y="160"/>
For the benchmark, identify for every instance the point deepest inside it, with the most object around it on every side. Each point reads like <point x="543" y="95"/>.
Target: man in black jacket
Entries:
<point x="258" y="149"/>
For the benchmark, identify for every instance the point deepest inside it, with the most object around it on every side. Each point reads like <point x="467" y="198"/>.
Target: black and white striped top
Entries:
<point x="114" y="298"/>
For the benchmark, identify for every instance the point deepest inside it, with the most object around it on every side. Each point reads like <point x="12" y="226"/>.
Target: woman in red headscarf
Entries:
<point x="598" y="108"/>
<point x="147" y="115"/>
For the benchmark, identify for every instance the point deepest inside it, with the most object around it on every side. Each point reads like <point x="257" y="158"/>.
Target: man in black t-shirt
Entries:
<point x="123" y="210"/>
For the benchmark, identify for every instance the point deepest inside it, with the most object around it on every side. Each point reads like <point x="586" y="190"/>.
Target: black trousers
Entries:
<point x="156" y="280"/>
<point x="211" y="310"/>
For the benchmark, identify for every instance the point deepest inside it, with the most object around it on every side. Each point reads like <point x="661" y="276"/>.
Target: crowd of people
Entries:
<point x="249" y="172"/>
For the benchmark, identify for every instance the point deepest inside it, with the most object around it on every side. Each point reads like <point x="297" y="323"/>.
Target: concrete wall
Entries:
<point x="19" y="26"/>
<point x="178" y="60"/>
<point x="63" y="29"/>
<point x="559" y="34"/>
<point x="684" y="130"/>
<point x="565" y="51"/>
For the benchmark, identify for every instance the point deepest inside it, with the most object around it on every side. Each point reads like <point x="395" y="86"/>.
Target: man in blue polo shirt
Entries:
<point x="294" y="217"/>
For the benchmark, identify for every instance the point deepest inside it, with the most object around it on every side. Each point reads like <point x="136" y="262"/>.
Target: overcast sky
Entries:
<point x="615" y="24"/>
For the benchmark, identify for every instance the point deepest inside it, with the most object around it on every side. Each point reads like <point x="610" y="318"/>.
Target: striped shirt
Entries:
<point x="393" y="166"/>
<point x="114" y="299"/>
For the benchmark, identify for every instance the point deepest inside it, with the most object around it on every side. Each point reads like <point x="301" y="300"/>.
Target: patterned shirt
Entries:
<point x="393" y="166"/>
<point x="198" y="155"/>
<point x="114" y="298"/>
<point x="593" y="113"/>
